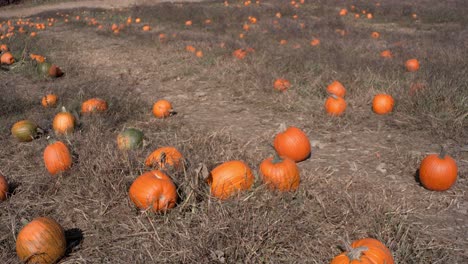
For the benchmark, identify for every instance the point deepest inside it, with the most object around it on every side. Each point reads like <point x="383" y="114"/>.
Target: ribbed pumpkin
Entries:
<point x="337" y="89"/>
<point x="42" y="241"/>
<point x="93" y="105"/>
<point x="3" y="188"/>
<point x="153" y="191"/>
<point x="7" y="58"/>
<point x="412" y="65"/>
<point x="383" y="104"/>
<point x="130" y="138"/>
<point x="57" y="157"/>
<point x="229" y="178"/>
<point x="292" y="143"/>
<point x="164" y="157"/>
<point x="64" y="123"/>
<point x="280" y="173"/>
<point x="162" y="109"/>
<point x="335" y="106"/>
<point x="438" y="172"/>
<point x="24" y="130"/>
<point x="281" y="85"/>
<point x="365" y="251"/>
<point x="49" y="100"/>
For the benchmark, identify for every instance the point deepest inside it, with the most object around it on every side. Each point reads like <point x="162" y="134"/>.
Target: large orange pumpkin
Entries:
<point x="335" y="106"/>
<point x="229" y="178"/>
<point x="336" y="88"/>
<point x="438" y="172"/>
<point x="164" y="157"/>
<point x="64" y="123"/>
<point x="365" y="251"/>
<point x="42" y="241"/>
<point x="162" y="109"/>
<point x="57" y="158"/>
<point x="280" y="173"/>
<point x="153" y="191"/>
<point x="94" y="105"/>
<point x="3" y="188"/>
<point x="412" y="65"/>
<point x="292" y="143"/>
<point x="383" y="104"/>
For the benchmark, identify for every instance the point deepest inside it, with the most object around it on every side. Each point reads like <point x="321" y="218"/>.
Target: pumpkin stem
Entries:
<point x="442" y="152"/>
<point x="276" y="158"/>
<point x="64" y="109"/>
<point x="162" y="159"/>
<point x="352" y="253"/>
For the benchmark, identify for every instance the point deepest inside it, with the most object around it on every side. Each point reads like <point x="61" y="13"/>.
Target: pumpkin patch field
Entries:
<point x="234" y="131"/>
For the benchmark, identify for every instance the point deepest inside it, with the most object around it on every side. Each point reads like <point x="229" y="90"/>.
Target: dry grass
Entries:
<point x="227" y="110"/>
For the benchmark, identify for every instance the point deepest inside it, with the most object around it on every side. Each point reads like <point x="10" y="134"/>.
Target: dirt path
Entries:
<point x="25" y="11"/>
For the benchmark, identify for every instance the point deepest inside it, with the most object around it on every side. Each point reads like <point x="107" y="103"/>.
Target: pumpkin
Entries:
<point x="55" y="71"/>
<point x="130" y="138"/>
<point x="292" y="143"/>
<point x="343" y="12"/>
<point x="199" y="54"/>
<point x="4" y="48"/>
<point x="38" y="58"/>
<point x="93" y="105"/>
<point x="315" y="42"/>
<point x="335" y="106"/>
<point x="153" y="191"/>
<point x="57" y="157"/>
<point x="146" y="28"/>
<point x="3" y="188"/>
<point x="336" y="88"/>
<point x="239" y="53"/>
<point x="229" y="178"/>
<point x="386" y="54"/>
<point x="281" y="85"/>
<point x="190" y="48"/>
<point x="42" y="241"/>
<point x="24" y="130"/>
<point x="64" y="123"/>
<point x="375" y="35"/>
<point x="280" y="173"/>
<point x="412" y="65"/>
<point x="43" y="68"/>
<point x="137" y="20"/>
<point x="188" y="23"/>
<point x="438" y="172"/>
<point x="7" y="58"/>
<point x="366" y="250"/>
<point x="162" y="109"/>
<point x="164" y="157"/>
<point x="383" y="104"/>
<point x="49" y="100"/>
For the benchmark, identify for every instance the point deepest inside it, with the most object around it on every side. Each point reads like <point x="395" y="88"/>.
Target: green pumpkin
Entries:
<point x="130" y="138"/>
<point x="43" y="68"/>
<point x="24" y="130"/>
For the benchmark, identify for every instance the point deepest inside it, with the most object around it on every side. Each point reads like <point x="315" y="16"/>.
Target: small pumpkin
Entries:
<point x="64" y="123"/>
<point x="412" y="65"/>
<point x="335" y="106"/>
<point x="375" y="35"/>
<point x="315" y="42"/>
<point x="239" y="53"/>
<point x="57" y="157"/>
<point x="190" y="48"/>
<point x="280" y="173"/>
<point x="38" y="58"/>
<point x="229" y="178"/>
<point x="4" y="48"/>
<point x="93" y="105"/>
<point x="55" y="71"/>
<point x="153" y="191"/>
<point x="281" y="84"/>
<point x="41" y="241"/>
<point x="343" y="12"/>
<point x="383" y="104"/>
<point x="7" y="58"/>
<point x="3" y="188"/>
<point x="162" y="108"/>
<point x="336" y="88"/>
<point x="199" y="54"/>
<point x="146" y="28"/>
<point x="24" y="130"/>
<point x="49" y="100"/>
<point x="366" y="250"/>
<point x="188" y="23"/>
<point x="164" y="157"/>
<point x="130" y="138"/>
<point x="438" y="172"/>
<point x="387" y="54"/>
<point x="292" y="143"/>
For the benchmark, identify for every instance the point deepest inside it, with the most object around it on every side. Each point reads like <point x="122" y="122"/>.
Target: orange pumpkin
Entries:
<point x="292" y="143"/>
<point x="57" y="158"/>
<point x="162" y="109"/>
<point x="64" y="123"/>
<point x="190" y="48"/>
<point x="375" y="35"/>
<point x="153" y="191"/>
<point x="386" y="54"/>
<point x="164" y="157"/>
<point x="49" y="100"/>
<point x="93" y="105"/>
<point x="281" y="85"/>
<point x="37" y="58"/>
<point x="199" y="54"/>
<point x="146" y="28"/>
<point x="412" y="65"/>
<point x="383" y="104"/>
<point x="343" y="12"/>
<point x="3" y="188"/>
<point x="315" y="42"/>
<point x="240" y="54"/>
<point x="280" y="173"/>
<point x="188" y="23"/>
<point x="4" y="48"/>
<point x="41" y="241"/>
<point x="438" y="172"/>
<point x="7" y="58"/>
<point x="336" y="88"/>
<point x="229" y="178"/>
<point x="137" y="20"/>
<point x="335" y="106"/>
<point x="366" y="250"/>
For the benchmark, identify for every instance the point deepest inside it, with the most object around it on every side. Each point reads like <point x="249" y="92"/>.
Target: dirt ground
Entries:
<point x="361" y="179"/>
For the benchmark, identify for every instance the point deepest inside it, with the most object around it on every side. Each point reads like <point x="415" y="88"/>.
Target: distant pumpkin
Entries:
<point x="281" y="84"/>
<point x="412" y="65"/>
<point x="383" y="104"/>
